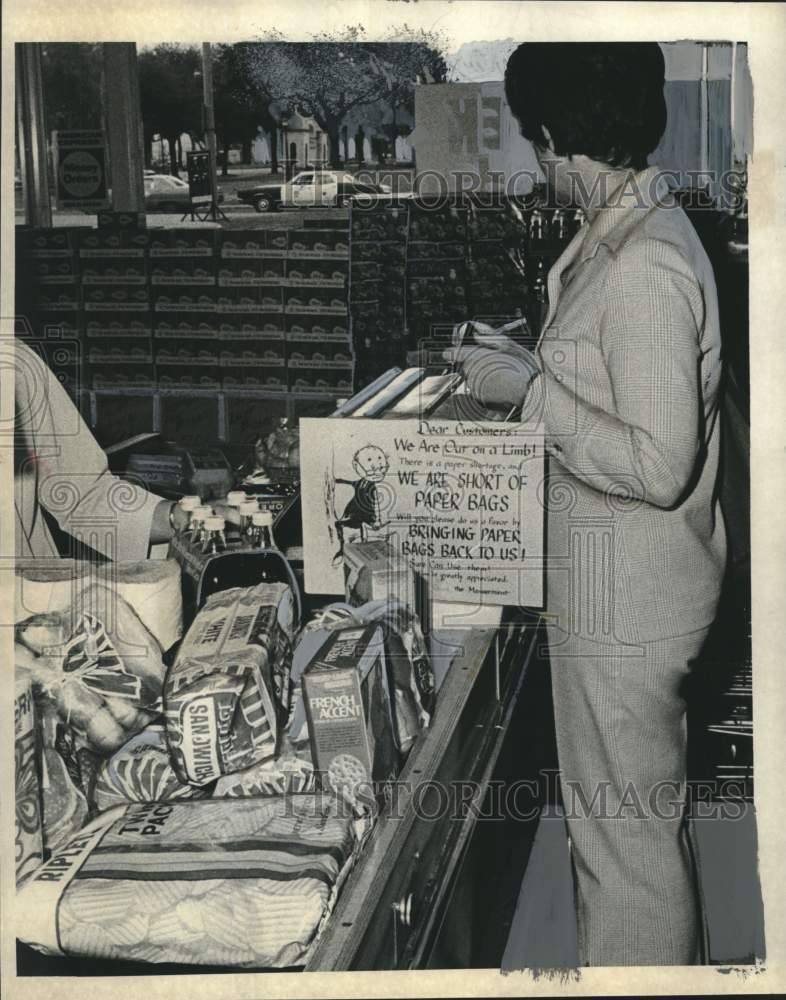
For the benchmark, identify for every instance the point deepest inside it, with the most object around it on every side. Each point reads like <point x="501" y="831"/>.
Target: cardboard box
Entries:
<point x="47" y="243"/>
<point x="376" y="251"/>
<point x="253" y="244"/>
<point x="125" y="327"/>
<point x="378" y="222"/>
<point x="108" y="219"/>
<point x="191" y="378"/>
<point x="113" y="244"/>
<point x="303" y="323"/>
<point x="261" y="379"/>
<point x="349" y="713"/>
<point x="58" y="299"/>
<point x="110" y="378"/>
<point x="194" y="300"/>
<point x="366" y="290"/>
<point x="182" y="272"/>
<point x="136" y="352"/>
<point x="315" y="300"/>
<point x="318" y="243"/>
<point x="250" y="327"/>
<point x="183" y="243"/>
<point x="108" y="271"/>
<point x="186" y="355"/>
<point x="58" y="270"/>
<point x="304" y="350"/>
<point x="186" y="326"/>
<point x="317" y="273"/>
<point x="116" y="299"/>
<point x="318" y="379"/>
<point x="250" y="300"/>
<point x="242" y="356"/>
<point x="243" y="245"/>
<point x="374" y="571"/>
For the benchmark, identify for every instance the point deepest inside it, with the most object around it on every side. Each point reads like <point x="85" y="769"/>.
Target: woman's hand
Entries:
<point x="499" y="371"/>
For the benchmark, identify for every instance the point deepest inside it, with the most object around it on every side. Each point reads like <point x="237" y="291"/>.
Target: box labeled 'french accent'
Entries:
<point x="348" y="711"/>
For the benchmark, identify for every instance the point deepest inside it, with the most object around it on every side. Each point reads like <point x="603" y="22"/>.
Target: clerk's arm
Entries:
<point x="648" y="443"/>
<point x="118" y="518"/>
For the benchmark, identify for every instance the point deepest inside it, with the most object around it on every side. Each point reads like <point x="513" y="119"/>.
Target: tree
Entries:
<point x="170" y="92"/>
<point x="327" y="78"/>
<point x="403" y="60"/>
<point x="339" y="77"/>
<point x="240" y="107"/>
<point x="71" y="74"/>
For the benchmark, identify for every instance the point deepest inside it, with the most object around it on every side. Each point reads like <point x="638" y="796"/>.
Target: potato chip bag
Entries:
<point x="243" y="883"/>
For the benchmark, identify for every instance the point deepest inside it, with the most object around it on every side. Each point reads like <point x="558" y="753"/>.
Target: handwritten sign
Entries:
<point x="462" y="502"/>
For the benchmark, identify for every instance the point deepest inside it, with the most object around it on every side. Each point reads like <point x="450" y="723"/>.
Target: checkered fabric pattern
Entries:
<point x="622" y="744"/>
<point x="628" y="396"/>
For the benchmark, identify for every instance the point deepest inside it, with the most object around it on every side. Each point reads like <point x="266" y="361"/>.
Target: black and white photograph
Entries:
<point x="390" y="548"/>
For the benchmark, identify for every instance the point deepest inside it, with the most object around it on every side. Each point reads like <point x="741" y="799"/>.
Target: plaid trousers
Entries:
<point x="622" y="744"/>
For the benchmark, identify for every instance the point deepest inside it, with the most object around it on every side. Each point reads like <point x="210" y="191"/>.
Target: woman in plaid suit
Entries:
<point x="625" y="381"/>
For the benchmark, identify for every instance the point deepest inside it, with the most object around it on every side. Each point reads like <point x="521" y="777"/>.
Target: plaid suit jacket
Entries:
<point x="628" y="396"/>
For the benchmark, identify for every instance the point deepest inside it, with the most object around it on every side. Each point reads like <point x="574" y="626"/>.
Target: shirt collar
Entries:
<point x="626" y="207"/>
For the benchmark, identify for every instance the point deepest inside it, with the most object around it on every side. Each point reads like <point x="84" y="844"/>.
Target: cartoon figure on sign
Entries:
<point x="363" y="510"/>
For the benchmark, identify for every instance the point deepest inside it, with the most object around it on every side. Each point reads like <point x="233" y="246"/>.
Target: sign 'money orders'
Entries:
<point x="80" y="169"/>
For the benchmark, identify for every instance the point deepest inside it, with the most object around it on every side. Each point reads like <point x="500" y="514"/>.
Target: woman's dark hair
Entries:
<point x="600" y="99"/>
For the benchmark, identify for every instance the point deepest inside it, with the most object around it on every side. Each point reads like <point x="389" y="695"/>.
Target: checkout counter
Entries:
<point x="418" y="885"/>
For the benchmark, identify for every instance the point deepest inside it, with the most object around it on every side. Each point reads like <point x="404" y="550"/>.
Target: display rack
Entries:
<point x="90" y="408"/>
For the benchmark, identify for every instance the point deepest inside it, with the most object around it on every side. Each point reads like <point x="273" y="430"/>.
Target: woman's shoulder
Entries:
<point x="666" y="234"/>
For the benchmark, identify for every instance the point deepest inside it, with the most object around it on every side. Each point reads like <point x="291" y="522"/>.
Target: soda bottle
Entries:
<point x="247" y="511"/>
<point x="188" y="504"/>
<point x="262" y="530"/>
<point x="215" y="540"/>
<point x="196" y="534"/>
<point x="235" y="498"/>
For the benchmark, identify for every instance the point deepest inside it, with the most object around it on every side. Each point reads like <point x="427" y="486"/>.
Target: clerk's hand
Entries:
<point x="498" y="375"/>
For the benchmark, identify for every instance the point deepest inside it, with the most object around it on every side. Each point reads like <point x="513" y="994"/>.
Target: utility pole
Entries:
<point x="31" y="135"/>
<point x="210" y="126"/>
<point x="124" y="126"/>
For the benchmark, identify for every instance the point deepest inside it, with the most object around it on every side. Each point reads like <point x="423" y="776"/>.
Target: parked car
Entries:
<point x="311" y="189"/>
<point x="167" y="193"/>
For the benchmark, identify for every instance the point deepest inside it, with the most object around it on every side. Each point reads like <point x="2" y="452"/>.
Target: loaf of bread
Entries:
<point x="99" y="665"/>
<point x="140" y="771"/>
<point x="227" y="692"/>
<point x="63" y="803"/>
<point x="288" y="774"/>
